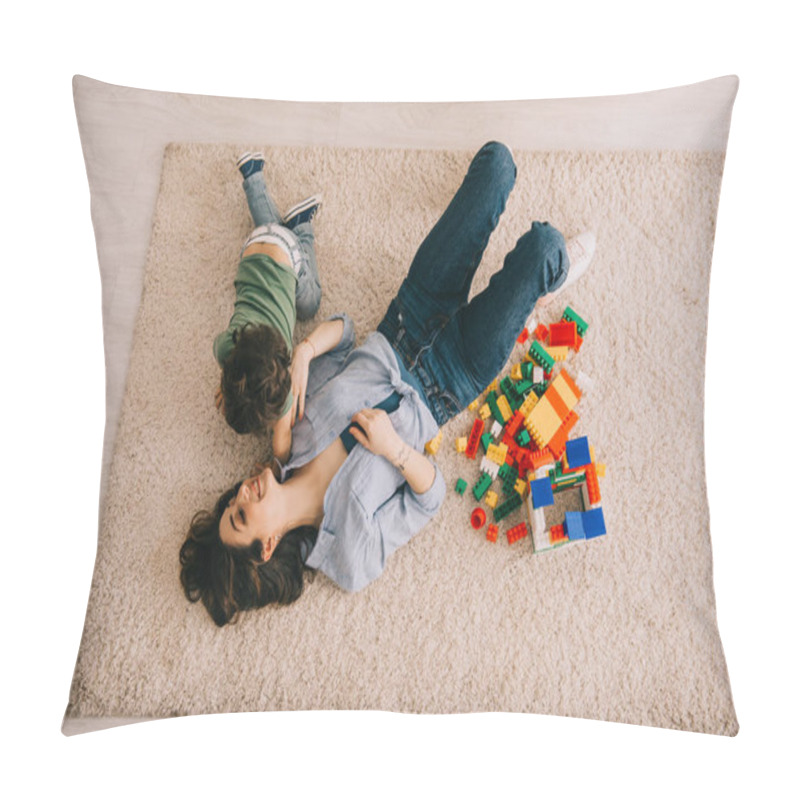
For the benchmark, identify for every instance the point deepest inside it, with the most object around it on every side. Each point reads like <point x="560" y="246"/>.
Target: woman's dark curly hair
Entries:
<point x="233" y="579"/>
<point x="255" y="378"/>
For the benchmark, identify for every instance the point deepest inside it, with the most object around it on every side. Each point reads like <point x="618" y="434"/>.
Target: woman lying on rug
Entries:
<point x="262" y="385"/>
<point x="357" y="485"/>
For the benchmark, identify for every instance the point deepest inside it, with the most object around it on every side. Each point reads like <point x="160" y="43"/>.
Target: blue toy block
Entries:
<point x="594" y="523"/>
<point x="541" y="493"/>
<point x="578" y="454"/>
<point x="573" y="526"/>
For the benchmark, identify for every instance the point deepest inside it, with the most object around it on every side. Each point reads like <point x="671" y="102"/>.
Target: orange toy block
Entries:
<point x="491" y="532"/>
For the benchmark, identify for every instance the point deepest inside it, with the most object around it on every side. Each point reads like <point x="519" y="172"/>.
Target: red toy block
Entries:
<point x="517" y="532"/>
<point x="513" y="425"/>
<point x="538" y="458"/>
<point x="523" y="337"/>
<point x="564" y="334"/>
<point x="491" y="532"/>
<point x="474" y="438"/>
<point x="557" y="534"/>
<point x="541" y="332"/>
<point x="477" y="518"/>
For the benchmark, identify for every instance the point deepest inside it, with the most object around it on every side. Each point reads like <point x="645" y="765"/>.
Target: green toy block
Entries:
<point x="461" y="486"/>
<point x="504" y="509"/>
<point x="480" y="488"/>
<point x="495" y="409"/>
<point x="510" y="481"/>
<point x="541" y="357"/>
<point x="486" y="440"/>
<point x="523" y="438"/>
<point x="570" y="315"/>
<point x="503" y="471"/>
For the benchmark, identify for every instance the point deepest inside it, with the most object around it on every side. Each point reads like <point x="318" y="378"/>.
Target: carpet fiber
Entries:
<point x="622" y="628"/>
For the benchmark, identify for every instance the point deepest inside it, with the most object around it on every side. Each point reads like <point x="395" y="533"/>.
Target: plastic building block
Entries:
<point x="523" y="336"/>
<point x="594" y="523"/>
<point x="491" y="532"/>
<point x="432" y="447"/>
<point x="481" y="487"/>
<point x="517" y="532"/>
<point x="475" y="404"/>
<point x="558" y="353"/>
<point x="489" y="468"/>
<point x="461" y="486"/>
<point x="505" y="408"/>
<point x="521" y="486"/>
<point x="557" y="535"/>
<point x="523" y="438"/>
<point x="491" y="499"/>
<point x="497" y="453"/>
<point x="461" y="444"/>
<point x="541" y="356"/>
<point x="541" y="492"/>
<point x="541" y="332"/>
<point x="504" y="509"/>
<point x="477" y="518"/>
<point x="474" y="438"/>
<point x="484" y="411"/>
<point x="553" y="408"/>
<point x="570" y="315"/>
<point x="557" y="445"/>
<point x="497" y="429"/>
<point x="577" y="452"/>
<point x="563" y="334"/>
<point x="573" y="525"/>
<point x="486" y="440"/>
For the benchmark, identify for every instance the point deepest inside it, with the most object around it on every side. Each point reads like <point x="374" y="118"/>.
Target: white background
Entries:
<point x="53" y="384"/>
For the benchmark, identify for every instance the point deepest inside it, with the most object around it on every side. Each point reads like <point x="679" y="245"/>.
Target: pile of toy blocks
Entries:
<point x="523" y="427"/>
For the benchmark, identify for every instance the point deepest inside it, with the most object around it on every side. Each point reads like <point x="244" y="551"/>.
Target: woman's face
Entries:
<point x="246" y="518"/>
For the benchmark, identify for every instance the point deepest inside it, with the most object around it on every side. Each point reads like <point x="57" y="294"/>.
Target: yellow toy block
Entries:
<point x="543" y="422"/>
<point x="461" y="444"/>
<point x="475" y="404"/>
<point x="491" y="499"/>
<point x="559" y="353"/>
<point x="492" y="387"/>
<point x="497" y="453"/>
<point x="600" y="469"/>
<point x="516" y="372"/>
<point x="520" y="487"/>
<point x="528" y="405"/>
<point x="432" y="447"/>
<point x="505" y="408"/>
<point x="485" y="412"/>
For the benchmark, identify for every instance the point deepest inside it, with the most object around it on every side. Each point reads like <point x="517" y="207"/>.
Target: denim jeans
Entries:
<point x="299" y="243"/>
<point x="455" y="348"/>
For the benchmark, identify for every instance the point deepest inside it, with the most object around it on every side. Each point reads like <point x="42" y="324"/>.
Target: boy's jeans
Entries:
<point x="455" y="349"/>
<point x="299" y="243"/>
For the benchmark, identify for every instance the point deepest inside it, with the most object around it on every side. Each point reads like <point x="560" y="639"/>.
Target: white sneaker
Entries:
<point x="580" y="251"/>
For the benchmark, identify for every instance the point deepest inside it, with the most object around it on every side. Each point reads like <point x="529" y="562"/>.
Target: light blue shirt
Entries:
<point x="369" y="509"/>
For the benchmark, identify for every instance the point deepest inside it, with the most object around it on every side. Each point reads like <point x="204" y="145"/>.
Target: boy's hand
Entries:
<point x="301" y="358"/>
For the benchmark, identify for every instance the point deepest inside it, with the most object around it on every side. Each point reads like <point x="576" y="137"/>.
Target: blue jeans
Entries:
<point x="455" y="348"/>
<point x="265" y="213"/>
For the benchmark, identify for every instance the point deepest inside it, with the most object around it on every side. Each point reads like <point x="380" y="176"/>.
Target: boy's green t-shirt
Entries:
<point x="265" y="295"/>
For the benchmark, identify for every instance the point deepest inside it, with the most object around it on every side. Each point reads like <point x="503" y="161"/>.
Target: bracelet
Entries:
<point x="313" y="349"/>
<point x="402" y="457"/>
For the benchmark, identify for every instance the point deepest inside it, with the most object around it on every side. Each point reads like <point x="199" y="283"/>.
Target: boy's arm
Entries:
<point x="321" y="340"/>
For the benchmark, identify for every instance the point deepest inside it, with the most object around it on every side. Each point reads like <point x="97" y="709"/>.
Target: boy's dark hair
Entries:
<point x="255" y="378"/>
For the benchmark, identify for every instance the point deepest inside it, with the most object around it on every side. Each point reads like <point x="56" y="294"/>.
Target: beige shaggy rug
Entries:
<point x="621" y="628"/>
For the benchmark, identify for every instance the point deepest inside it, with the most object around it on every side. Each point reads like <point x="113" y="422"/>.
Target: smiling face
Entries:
<point x="247" y="517"/>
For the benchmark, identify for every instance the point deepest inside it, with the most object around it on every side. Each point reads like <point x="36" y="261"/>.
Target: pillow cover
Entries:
<point x="623" y="628"/>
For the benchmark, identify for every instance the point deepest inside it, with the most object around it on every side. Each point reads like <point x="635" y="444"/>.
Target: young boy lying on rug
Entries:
<point x="357" y="485"/>
<point x="276" y="282"/>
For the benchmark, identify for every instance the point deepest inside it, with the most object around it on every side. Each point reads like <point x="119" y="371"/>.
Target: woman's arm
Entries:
<point x="373" y="429"/>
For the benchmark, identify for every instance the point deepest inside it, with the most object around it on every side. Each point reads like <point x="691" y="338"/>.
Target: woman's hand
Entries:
<point x="301" y="358"/>
<point x="373" y="429"/>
